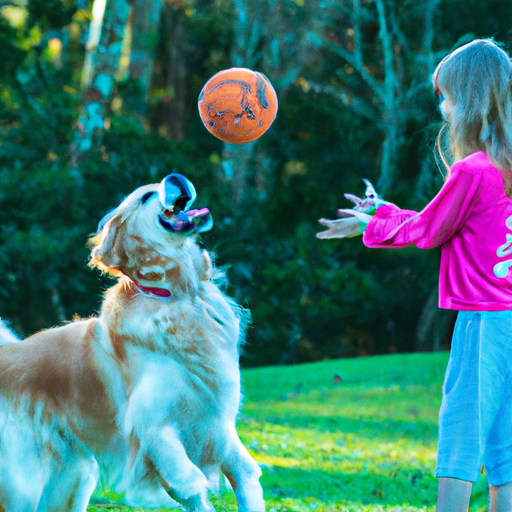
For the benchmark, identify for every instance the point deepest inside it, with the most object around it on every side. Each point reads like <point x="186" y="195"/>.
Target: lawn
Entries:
<point x="366" y="443"/>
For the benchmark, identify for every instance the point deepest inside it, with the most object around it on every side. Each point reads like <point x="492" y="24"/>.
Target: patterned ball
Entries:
<point x="238" y="105"/>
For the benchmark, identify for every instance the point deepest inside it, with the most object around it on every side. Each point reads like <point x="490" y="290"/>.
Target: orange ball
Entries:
<point x="238" y="105"/>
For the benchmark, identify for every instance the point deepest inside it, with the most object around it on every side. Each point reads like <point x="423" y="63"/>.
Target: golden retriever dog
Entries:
<point x="143" y="397"/>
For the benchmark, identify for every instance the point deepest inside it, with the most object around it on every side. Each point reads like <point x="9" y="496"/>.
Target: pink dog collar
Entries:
<point x="161" y="293"/>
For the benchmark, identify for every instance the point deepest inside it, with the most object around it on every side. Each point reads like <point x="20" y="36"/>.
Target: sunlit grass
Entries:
<point x="367" y="443"/>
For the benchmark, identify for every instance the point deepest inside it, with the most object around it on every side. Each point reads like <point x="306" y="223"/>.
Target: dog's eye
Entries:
<point x="146" y="196"/>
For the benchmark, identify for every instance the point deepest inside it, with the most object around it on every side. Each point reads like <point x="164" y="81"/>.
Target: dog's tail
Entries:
<point x="6" y="335"/>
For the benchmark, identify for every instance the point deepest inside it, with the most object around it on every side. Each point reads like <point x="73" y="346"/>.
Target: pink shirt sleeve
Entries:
<point x="394" y="228"/>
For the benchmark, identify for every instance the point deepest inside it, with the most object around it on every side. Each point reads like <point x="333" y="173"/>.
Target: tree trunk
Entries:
<point x="394" y="83"/>
<point x="426" y="185"/>
<point x="104" y="51"/>
<point x="236" y="165"/>
<point x="144" y="22"/>
<point x="390" y="146"/>
<point x="167" y="112"/>
<point x="428" y="34"/>
<point x="247" y="32"/>
<point x="265" y="33"/>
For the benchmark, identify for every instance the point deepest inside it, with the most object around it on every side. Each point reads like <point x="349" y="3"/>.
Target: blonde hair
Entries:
<point x="477" y="78"/>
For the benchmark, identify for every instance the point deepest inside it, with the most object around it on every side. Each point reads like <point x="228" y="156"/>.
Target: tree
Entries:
<point x="144" y="23"/>
<point x="102" y="62"/>
<point x="338" y="108"/>
<point x="384" y="86"/>
<point x="270" y="36"/>
<point x="168" y="95"/>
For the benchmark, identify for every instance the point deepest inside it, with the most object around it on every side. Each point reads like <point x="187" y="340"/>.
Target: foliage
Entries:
<point x="367" y="443"/>
<point x="310" y="299"/>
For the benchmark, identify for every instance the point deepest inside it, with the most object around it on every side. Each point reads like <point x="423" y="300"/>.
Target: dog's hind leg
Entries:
<point x="21" y="475"/>
<point x="21" y="502"/>
<point x="181" y="479"/>
<point x="70" y="489"/>
<point x="243" y="473"/>
<point x="22" y="472"/>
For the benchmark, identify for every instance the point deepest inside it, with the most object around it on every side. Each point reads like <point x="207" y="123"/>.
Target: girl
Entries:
<point x="471" y="219"/>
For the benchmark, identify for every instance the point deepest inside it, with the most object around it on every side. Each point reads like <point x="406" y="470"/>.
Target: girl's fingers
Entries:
<point x="346" y="212"/>
<point x="341" y="228"/>
<point x="326" y="222"/>
<point x="363" y="217"/>
<point x="353" y="198"/>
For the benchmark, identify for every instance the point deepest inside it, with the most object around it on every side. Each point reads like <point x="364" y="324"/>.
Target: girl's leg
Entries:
<point x="496" y="417"/>
<point x="501" y="497"/>
<point x="453" y="495"/>
<point x="458" y="448"/>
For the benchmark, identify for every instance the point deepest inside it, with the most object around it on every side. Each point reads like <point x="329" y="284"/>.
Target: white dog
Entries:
<point x="148" y="391"/>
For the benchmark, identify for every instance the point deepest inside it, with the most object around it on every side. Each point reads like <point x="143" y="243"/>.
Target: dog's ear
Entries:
<point x="108" y="253"/>
<point x="205" y="269"/>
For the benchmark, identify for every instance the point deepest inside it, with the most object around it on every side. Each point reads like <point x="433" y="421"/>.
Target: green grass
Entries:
<point x="365" y="444"/>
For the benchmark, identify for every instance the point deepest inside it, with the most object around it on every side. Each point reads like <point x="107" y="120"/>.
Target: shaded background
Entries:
<point x="98" y="99"/>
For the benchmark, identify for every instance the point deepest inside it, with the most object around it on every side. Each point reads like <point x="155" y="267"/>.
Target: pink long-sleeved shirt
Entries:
<point x="471" y="219"/>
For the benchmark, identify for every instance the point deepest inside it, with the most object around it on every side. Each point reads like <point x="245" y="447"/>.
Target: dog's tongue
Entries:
<point x="157" y="292"/>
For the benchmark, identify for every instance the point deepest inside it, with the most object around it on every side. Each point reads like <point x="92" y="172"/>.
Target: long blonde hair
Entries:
<point x="477" y="78"/>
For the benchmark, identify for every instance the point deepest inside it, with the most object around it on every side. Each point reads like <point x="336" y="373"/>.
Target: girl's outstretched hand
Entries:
<point x="353" y="221"/>
<point x="346" y="227"/>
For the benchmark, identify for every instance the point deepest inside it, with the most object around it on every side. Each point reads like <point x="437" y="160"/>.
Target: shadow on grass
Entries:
<point x="405" y="487"/>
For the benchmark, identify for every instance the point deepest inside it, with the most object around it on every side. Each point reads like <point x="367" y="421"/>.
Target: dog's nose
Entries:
<point x="176" y="192"/>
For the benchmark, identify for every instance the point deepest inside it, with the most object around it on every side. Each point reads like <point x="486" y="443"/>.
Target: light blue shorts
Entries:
<point x="475" y="420"/>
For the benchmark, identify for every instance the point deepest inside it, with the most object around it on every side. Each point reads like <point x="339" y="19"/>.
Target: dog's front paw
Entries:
<point x="252" y="502"/>
<point x="197" y="504"/>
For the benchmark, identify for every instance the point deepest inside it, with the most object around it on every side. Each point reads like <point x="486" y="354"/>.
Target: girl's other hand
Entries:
<point x="353" y="221"/>
<point x="351" y="225"/>
<point x="370" y="202"/>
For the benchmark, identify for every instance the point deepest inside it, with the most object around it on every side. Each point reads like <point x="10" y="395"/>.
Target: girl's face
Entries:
<point x="445" y="101"/>
<point x="445" y="104"/>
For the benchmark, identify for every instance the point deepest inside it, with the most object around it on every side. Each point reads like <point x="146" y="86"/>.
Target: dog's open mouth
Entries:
<point x="151" y="291"/>
<point x="192" y="221"/>
<point x="176" y="194"/>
